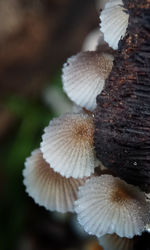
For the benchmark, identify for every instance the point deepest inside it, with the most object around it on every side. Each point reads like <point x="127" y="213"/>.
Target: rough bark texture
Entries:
<point x="122" y="116"/>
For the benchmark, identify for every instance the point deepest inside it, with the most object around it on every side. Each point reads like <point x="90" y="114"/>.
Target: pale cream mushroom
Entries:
<point x="114" y="242"/>
<point x="114" y="22"/>
<point x="47" y="188"/>
<point x="91" y="41"/>
<point x="84" y="77"/>
<point x="108" y="205"/>
<point x="68" y="145"/>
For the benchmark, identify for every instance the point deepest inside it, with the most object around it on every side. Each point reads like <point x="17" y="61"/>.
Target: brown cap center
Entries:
<point x="120" y="194"/>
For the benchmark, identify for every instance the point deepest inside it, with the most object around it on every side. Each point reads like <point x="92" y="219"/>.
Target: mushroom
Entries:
<point x="114" y="242"/>
<point x="114" y="22"/>
<point x="91" y="41"/>
<point x="68" y="145"/>
<point x="84" y="77"/>
<point x="47" y="188"/>
<point x="108" y="205"/>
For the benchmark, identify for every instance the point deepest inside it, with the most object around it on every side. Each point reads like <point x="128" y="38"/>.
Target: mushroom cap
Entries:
<point x="47" y="188"/>
<point x="114" y="22"/>
<point x="108" y="205"/>
<point x="68" y="145"/>
<point x="114" y="242"/>
<point x="84" y="77"/>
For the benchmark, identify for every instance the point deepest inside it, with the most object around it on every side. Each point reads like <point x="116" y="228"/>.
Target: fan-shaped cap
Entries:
<point x="68" y="145"/>
<point x="84" y="77"/>
<point x="47" y="188"/>
<point x="108" y="205"/>
<point x="114" y="22"/>
<point x="114" y="242"/>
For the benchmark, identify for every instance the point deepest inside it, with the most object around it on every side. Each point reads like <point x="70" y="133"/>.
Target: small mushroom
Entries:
<point x="91" y="41"/>
<point x="47" y="188"/>
<point x="114" y="22"/>
<point x="68" y="145"/>
<point x="84" y="77"/>
<point x="114" y="242"/>
<point x="108" y="205"/>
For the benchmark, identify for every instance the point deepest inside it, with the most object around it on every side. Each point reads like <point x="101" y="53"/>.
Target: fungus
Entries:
<point x="114" y="22"/>
<point x="114" y="242"/>
<point x="105" y="204"/>
<point x="47" y="188"/>
<point x="84" y="77"/>
<point x="91" y="41"/>
<point x="68" y="145"/>
<point x="108" y="205"/>
<point x="95" y="42"/>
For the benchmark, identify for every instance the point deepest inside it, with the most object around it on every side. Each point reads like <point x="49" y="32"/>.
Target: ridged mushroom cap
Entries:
<point x="47" y="188"/>
<point x="84" y="77"/>
<point x="68" y="145"/>
<point x="114" y="22"/>
<point x="108" y="205"/>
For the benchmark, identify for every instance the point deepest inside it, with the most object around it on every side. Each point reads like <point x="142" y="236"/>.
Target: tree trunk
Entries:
<point x="122" y="116"/>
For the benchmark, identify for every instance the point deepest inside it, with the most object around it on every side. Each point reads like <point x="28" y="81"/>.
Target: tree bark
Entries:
<point x="122" y="116"/>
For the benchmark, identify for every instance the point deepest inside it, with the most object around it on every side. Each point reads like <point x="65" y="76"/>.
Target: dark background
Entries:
<point x="36" y="38"/>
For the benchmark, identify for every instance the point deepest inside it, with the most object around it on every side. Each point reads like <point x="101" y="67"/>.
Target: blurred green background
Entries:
<point x="36" y="38"/>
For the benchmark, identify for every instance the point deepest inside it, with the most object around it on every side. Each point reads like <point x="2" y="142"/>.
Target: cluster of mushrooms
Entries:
<point x="64" y="174"/>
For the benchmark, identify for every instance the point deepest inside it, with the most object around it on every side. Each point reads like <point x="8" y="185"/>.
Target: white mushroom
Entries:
<point x="68" y="145"/>
<point x="47" y="188"/>
<point x="114" y="242"/>
<point x="108" y="205"/>
<point x="114" y="22"/>
<point x="84" y="77"/>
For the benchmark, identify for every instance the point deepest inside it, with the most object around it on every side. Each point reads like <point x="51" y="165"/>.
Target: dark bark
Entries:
<point x="122" y="116"/>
